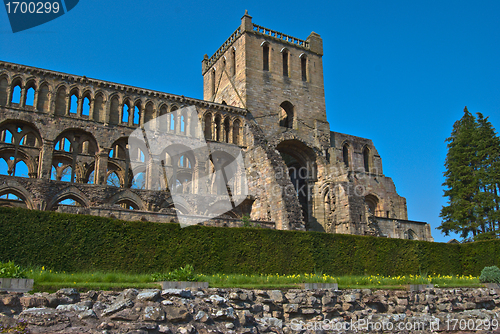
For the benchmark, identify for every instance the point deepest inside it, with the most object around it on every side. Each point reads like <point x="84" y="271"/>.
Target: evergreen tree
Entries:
<point x="462" y="182"/>
<point x="489" y="155"/>
<point x="472" y="179"/>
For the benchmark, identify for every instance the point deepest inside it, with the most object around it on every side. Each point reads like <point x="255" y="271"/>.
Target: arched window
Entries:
<point x="91" y="179"/>
<point x="113" y="180"/>
<point x="286" y="115"/>
<point x="73" y="106"/>
<point x="366" y="159"/>
<point x="126" y="113"/>
<point x="74" y="156"/>
<point x="372" y="203"/>
<point x="127" y="204"/>
<point x="329" y="201"/>
<point x="149" y="112"/>
<point x="114" y="112"/>
<point x="16" y="95"/>
<point x="61" y="101"/>
<point x="30" y="96"/>
<point x="43" y="98"/>
<point x="137" y="113"/>
<point x="4" y="85"/>
<point x="98" y="107"/>
<point x="63" y="145"/>
<point x="30" y="139"/>
<point x="410" y="235"/>
<point x="208" y="127"/>
<point x="163" y="126"/>
<point x="226" y="130"/>
<point x="265" y="57"/>
<point x="285" y="62"/>
<point x="139" y="181"/>
<point x="303" y="67"/>
<point x="218" y="128"/>
<point x="345" y="154"/>
<point x="7" y="137"/>
<point x="183" y="124"/>
<point x="236" y="132"/>
<point x="86" y="106"/>
<point x="172" y="122"/>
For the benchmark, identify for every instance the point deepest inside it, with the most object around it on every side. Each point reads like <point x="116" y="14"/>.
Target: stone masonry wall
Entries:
<point x="254" y="311"/>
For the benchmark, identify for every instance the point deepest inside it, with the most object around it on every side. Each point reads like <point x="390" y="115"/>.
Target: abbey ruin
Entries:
<point x="64" y="145"/>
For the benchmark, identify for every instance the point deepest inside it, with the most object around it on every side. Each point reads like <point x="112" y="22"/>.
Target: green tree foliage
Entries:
<point x="472" y="179"/>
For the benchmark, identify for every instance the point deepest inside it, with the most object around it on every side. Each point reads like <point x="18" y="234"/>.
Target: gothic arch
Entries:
<point x="69" y="193"/>
<point x="13" y="187"/>
<point x="127" y="195"/>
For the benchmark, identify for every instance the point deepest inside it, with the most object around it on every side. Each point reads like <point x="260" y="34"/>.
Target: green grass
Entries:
<point x="47" y="280"/>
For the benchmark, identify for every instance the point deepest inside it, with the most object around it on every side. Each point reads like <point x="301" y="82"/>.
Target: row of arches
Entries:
<point x="15" y="195"/>
<point x="76" y="158"/>
<point x="116" y="109"/>
<point x="286" y="60"/>
<point x="367" y="155"/>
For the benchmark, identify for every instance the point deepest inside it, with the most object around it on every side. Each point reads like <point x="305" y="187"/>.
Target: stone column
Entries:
<point x="45" y="160"/>
<point x="79" y="108"/>
<point x="67" y="98"/>
<point x="198" y="179"/>
<point x="91" y="108"/>
<point x="9" y="96"/>
<point x="101" y="169"/>
<point x="177" y="118"/>
<point x="230" y="132"/>
<point x="22" y="102"/>
<point x="35" y="99"/>
<point x="142" y="111"/>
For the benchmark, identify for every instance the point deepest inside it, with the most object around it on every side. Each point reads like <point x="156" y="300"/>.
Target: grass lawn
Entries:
<point x="47" y="280"/>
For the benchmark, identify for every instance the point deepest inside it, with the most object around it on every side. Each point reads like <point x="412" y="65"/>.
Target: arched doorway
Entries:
<point x="301" y="164"/>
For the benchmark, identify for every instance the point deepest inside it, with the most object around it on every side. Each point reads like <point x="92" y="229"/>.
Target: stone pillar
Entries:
<point x="91" y="108"/>
<point x="177" y="118"/>
<point x="9" y="96"/>
<point x="22" y="102"/>
<point x="52" y="103"/>
<point x="68" y="103"/>
<point x="214" y="128"/>
<point x="79" y="108"/>
<point x="230" y="132"/>
<point x="107" y="110"/>
<point x="198" y="179"/>
<point x="101" y="169"/>
<point x="45" y="160"/>
<point x="35" y="99"/>
<point x="187" y="124"/>
<point x="142" y="111"/>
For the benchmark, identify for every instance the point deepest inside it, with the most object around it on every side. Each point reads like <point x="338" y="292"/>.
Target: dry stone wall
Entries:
<point x="253" y="311"/>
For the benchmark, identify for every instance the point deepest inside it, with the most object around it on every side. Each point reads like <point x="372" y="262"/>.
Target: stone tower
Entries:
<point x="278" y="78"/>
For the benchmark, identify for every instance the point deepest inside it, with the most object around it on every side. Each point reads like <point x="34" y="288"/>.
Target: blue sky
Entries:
<point x="397" y="72"/>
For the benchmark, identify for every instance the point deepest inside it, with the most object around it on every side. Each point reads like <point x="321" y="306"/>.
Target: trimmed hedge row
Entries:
<point x="72" y="243"/>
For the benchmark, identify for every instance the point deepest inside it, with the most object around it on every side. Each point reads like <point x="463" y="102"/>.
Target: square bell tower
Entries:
<point x="276" y="77"/>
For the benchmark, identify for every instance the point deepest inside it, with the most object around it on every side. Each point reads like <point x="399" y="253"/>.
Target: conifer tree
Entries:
<point x="472" y="179"/>
<point x="462" y="182"/>
<point x="489" y="155"/>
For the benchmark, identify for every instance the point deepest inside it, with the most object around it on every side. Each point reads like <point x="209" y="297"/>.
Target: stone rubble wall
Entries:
<point x="215" y="310"/>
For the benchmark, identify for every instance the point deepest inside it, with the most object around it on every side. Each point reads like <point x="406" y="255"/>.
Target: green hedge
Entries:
<point x="65" y="242"/>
